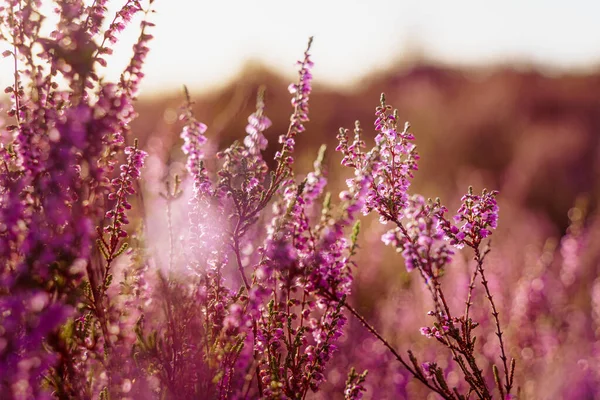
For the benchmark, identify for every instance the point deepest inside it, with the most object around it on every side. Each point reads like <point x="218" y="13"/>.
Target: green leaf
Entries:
<point x="102" y="249"/>
<point x="123" y="247"/>
<point x="108" y="281"/>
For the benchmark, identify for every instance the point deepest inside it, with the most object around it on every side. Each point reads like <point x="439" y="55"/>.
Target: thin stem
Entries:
<point x="237" y="233"/>
<point x="87" y="19"/>
<point x="172" y="325"/>
<point x="440" y="293"/>
<point x="480" y="387"/>
<point x="170" y="228"/>
<point x="16" y="75"/>
<point x="97" y="303"/>
<point x="169" y="197"/>
<point x="479" y="259"/>
<point x="257" y="368"/>
<point x="236" y="250"/>
<point x="478" y="383"/>
<point x="248" y="383"/>
<point x="398" y="357"/>
<point x="468" y="305"/>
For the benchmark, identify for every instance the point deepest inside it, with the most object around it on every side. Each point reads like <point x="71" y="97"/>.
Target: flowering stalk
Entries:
<point x="55" y="179"/>
<point x="354" y="385"/>
<point x="420" y="228"/>
<point x="132" y="75"/>
<point x="170" y="195"/>
<point x="301" y="92"/>
<point x="123" y="186"/>
<point x="117" y="25"/>
<point x="479" y="215"/>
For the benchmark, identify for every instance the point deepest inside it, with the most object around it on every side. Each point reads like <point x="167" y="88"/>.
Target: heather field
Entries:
<point x="289" y="240"/>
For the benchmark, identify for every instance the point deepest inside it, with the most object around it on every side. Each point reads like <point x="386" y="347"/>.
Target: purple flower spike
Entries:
<point x="122" y="188"/>
<point x="476" y="218"/>
<point x="419" y="239"/>
<point x="255" y="140"/>
<point x="390" y="163"/>
<point x="301" y="92"/>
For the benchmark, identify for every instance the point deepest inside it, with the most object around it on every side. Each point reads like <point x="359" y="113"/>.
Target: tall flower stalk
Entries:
<point x="54" y="184"/>
<point x="419" y="232"/>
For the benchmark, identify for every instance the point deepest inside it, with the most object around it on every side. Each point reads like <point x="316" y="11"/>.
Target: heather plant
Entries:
<point x="420" y="228"/>
<point x="253" y="297"/>
<point x="69" y="128"/>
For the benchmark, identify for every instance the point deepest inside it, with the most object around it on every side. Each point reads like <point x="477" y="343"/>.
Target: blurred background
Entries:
<point x="505" y="95"/>
<point x="502" y="95"/>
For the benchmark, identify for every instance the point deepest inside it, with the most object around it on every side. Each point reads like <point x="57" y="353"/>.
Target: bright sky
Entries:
<point x="204" y="43"/>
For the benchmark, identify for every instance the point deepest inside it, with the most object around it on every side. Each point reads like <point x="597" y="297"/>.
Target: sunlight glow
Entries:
<point x="206" y="43"/>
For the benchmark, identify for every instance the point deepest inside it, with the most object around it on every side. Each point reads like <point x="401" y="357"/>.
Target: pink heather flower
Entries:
<point x="390" y="163"/>
<point x="27" y="319"/>
<point x="96" y="15"/>
<point x="443" y="326"/>
<point x="429" y="369"/>
<point x="255" y="141"/>
<point x="58" y="233"/>
<point x="123" y="187"/>
<point x="193" y="141"/>
<point x="392" y="171"/>
<point x="122" y="17"/>
<point x="354" y="157"/>
<point x="65" y="146"/>
<point x="478" y="215"/>
<point x="426" y="331"/>
<point x="132" y="76"/>
<point x="206" y="235"/>
<point x="315" y="181"/>
<point x="355" y="385"/>
<point x="287" y="234"/>
<point x="301" y="92"/>
<point x="420" y="239"/>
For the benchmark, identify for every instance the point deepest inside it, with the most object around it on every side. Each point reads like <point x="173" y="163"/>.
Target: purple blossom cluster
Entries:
<point x="478" y="215"/>
<point x="420" y="238"/>
<point x="255" y="139"/>
<point x="354" y="385"/>
<point x="390" y="163"/>
<point x="301" y="91"/>
<point x="123" y="187"/>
